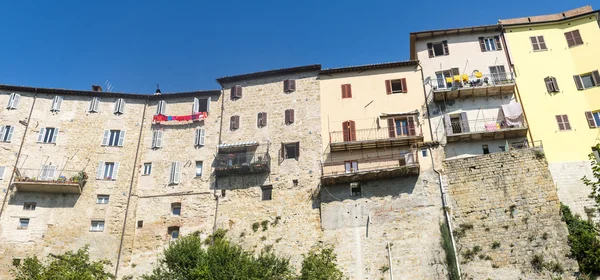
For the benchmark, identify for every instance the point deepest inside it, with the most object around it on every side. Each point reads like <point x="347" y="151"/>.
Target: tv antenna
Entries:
<point x="109" y="86"/>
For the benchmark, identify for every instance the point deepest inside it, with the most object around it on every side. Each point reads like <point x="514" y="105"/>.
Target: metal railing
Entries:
<point x="472" y="81"/>
<point x="525" y="144"/>
<point x="252" y="161"/>
<point x="371" y="134"/>
<point x="405" y="158"/>
<point x="50" y="174"/>
<point x="484" y="125"/>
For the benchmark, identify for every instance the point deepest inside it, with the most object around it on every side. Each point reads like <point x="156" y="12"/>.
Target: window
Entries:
<point x="490" y="44"/>
<point x="47" y="172"/>
<point x="538" y="43"/>
<point x="596" y="154"/>
<point x="2" y="168"/>
<point x="486" y="149"/>
<point x="23" y="223"/>
<point x="261" y="119"/>
<point x="147" y="168"/>
<point x="593" y="119"/>
<point x="234" y="122"/>
<point x="107" y="170"/>
<point x="355" y="189"/>
<point x="175" y="175"/>
<point x="289" y="86"/>
<point x="173" y="232"/>
<point x="56" y="103"/>
<point x="289" y="116"/>
<point x="47" y="135"/>
<point x="267" y="192"/>
<point x="587" y="80"/>
<point x="290" y="150"/>
<point x="346" y="91"/>
<point x="198" y="168"/>
<point x="113" y="138"/>
<point x="200" y="138"/>
<point x="97" y="226"/>
<point x="29" y="206"/>
<point x="445" y="79"/>
<point x="404" y="126"/>
<point x="563" y="122"/>
<point x="6" y="133"/>
<point x="161" y="107"/>
<point x="424" y="152"/>
<point x="140" y="224"/>
<point x="13" y="101"/>
<point x="157" y="139"/>
<point x="236" y="92"/>
<point x="94" y="105"/>
<point x="176" y="208"/>
<point x="498" y="74"/>
<point x="351" y="166"/>
<point x="349" y="131"/>
<point x="573" y="38"/>
<point x="119" y="106"/>
<point x="396" y="86"/>
<point x="438" y="49"/>
<point x="201" y="105"/>
<point x="551" y="84"/>
<point x="102" y="199"/>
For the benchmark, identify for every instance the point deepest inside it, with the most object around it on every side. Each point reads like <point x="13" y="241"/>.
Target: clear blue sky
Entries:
<point x="185" y="45"/>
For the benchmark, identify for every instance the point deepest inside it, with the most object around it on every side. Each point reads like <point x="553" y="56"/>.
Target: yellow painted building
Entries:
<point x="556" y="61"/>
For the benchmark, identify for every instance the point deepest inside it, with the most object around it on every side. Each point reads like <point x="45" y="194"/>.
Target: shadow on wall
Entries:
<point x="243" y="181"/>
<point x="46" y="200"/>
<point x="394" y="187"/>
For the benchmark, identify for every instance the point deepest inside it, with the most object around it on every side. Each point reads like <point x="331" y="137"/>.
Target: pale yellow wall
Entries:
<point x="561" y="62"/>
<point x="369" y="99"/>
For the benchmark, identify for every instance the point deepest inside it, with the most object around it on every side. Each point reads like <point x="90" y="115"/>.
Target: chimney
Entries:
<point x="96" y="88"/>
<point x="157" y="92"/>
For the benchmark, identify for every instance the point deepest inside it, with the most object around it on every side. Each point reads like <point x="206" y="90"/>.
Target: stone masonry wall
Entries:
<point x="507" y="198"/>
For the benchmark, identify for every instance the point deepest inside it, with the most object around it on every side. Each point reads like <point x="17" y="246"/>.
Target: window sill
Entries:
<point x="21" y="228"/>
<point x="544" y="50"/>
<point x="96" y="231"/>
<point x="106" y="179"/>
<point x="576" y="46"/>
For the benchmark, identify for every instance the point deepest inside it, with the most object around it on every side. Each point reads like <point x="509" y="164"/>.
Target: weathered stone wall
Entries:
<point x="508" y="198"/>
<point x="571" y="190"/>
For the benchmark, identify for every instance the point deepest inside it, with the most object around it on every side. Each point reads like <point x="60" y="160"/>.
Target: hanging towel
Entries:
<point x="512" y="110"/>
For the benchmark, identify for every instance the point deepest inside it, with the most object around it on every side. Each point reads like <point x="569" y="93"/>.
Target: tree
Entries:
<point x="320" y="264"/>
<point x="68" y="266"/>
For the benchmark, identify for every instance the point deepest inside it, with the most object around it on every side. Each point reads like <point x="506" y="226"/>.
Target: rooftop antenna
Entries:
<point x="157" y="92"/>
<point x="109" y="86"/>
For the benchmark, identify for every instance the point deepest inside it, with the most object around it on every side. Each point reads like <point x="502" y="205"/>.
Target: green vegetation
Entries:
<point x="255" y="226"/>
<point x="265" y="225"/>
<point x="449" y="250"/>
<point x="584" y="242"/>
<point x="319" y="264"/>
<point x="496" y="245"/>
<point x="70" y="265"/>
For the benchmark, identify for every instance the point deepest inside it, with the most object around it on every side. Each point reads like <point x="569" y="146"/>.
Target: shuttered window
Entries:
<point x="573" y="38"/>
<point x="289" y="116"/>
<point x="290" y="150"/>
<point x="438" y="49"/>
<point x="236" y="92"/>
<point x="200" y="138"/>
<point x="107" y="170"/>
<point x="201" y="105"/>
<point x="588" y="80"/>
<point x="538" y="43"/>
<point x="94" y="104"/>
<point x="157" y="139"/>
<point x="346" y="91"/>
<point x="161" y="107"/>
<point x="349" y="131"/>
<point x="114" y="138"/>
<point x="48" y="135"/>
<point x="6" y="133"/>
<point x="289" y="86"/>
<point x="56" y="103"/>
<point x="490" y="44"/>
<point x="13" y="101"/>
<point x="563" y="122"/>
<point x="396" y="86"/>
<point x="593" y="119"/>
<point x="551" y="84"/>
<point x="234" y="122"/>
<point x="47" y="173"/>
<point x="175" y="175"/>
<point x="119" y="106"/>
<point x="261" y="119"/>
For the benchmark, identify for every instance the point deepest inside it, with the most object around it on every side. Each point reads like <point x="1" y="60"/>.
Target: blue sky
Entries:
<point x="185" y="45"/>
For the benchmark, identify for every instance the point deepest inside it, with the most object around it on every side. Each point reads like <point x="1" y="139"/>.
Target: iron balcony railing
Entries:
<point x="50" y="179"/>
<point x="373" y="134"/>
<point x="370" y="164"/>
<point x="484" y="125"/>
<point x="472" y="81"/>
<point x="244" y="162"/>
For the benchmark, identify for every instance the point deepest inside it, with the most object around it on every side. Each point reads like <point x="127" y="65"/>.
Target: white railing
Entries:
<point x="471" y="81"/>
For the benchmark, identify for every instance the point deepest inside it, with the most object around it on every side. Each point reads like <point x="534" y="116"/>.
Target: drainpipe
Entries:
<point x="137" y="151"/>
<point x="12" y="175"/>
<point x="216" y="180"/>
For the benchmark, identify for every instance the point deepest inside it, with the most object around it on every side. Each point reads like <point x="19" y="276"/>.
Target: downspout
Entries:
<point x="131" y="187"/>
<point x="516" y="86"/>
<point x="216" y="180"/>
<point x="12" y="175"/>
<point x="444" y="205"/>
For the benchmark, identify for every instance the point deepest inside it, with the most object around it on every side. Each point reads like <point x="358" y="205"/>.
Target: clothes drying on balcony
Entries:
<point x="513" y="113"/>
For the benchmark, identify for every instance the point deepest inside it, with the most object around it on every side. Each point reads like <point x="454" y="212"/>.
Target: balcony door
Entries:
<point x="351" y="166"/>
<point x="349" y="131"/>
<point x="498" y="74"/>
<point x="402" y="127"/>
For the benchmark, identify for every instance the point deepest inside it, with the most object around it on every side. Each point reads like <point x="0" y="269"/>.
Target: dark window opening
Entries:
<point x="140" y="224"/>
<point x="290" y="151"/>
<point x="176" y="208"/>
<point x="29" y="206"/>
<point x="355" y="189"/>
<point x="438" y="49"/>
<point x="485" y="148"/>
<point x="173" y="232"/>
<point x="267" y="192"/>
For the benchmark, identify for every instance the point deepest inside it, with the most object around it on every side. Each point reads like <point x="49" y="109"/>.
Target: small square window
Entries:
<point x="97" y="226"/>
<point x="355" y="189"/>
<point x="23" y="223"/>
<point x="485" y="148"/>
<point x="424" y="152"/>
<point x="198" y="168"/>
<point x="588" y="81"/>
<point x="490" y="44"/>
<point x="173" y="232"/>
<point x="438" y="49"/>
<point x="140" y="224"/>
<point x="29" y="206"/>
<point x="267" y="192"/>
<point x="291" y="150"/>
<point x="147" y="168"/>
<point x="397" y="86"/>
<point x="176" y="208"/>
<point x="102" y="199"/>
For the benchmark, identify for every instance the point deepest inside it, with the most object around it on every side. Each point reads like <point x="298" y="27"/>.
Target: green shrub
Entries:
<point x="449" y="250"/>
<point x="320" y="264"/>
<point x="496" y="245"/>
<point x="583" y="239"/>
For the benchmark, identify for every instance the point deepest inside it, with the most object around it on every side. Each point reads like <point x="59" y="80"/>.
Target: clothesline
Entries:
<point x="194" y="117"/>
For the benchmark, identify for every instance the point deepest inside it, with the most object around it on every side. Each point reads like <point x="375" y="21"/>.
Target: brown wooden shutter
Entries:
<point x="297" y="150"/>
<point x="234" y="122"/>
<point x="346" y="131"/>
<point x="259" y="120"/>
<point x="542" y="43"/>
<point x="264" y="119"/>
<point x="577" y="37"/>
<point x="590" y="119"/>
<point x="498" y="43"/>
<point x="411" y="126"/>
<point x="566" y="122"/>
<point x="344" y="95"/>
<point x="282" y="152"/>
<point x="555" y="84"/>
<point x="349" y="91"/>
<point x="292" y="85"/>
<point x="388" y="86"/>
<point x="548" y="81"/>
<point x="578" y="82"/>
<point x="291" y="115"/>
<point x="596" y="77"/>
<point x="570" y="39"/>
<point x="287" y="116"/>
<point x="561" y="126"/>
<point x="391" y="128"/>
<point x="430" y="49"/>
<point x="289" y="85"/>
<point x="446" y="50"/>
<point x="352" y="128"/>
<point x="481" y="44"/>
<point x="404" y="88"/>
<point x="534" y="43"/>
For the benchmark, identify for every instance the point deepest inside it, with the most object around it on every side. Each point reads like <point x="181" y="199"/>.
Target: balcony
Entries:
<point x="48" y="180"/>
<point x="485" y="129"/>
<point x="370" y="168"/>
<point x="463" y="86"/>
<point x="372" y="138"/>
<point x="242" y="163"/>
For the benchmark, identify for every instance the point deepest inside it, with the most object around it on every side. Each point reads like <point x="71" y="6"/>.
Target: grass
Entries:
<point x="496" y="245"/>
<point x="451" y="264"/>
<point x="255" y="226"/>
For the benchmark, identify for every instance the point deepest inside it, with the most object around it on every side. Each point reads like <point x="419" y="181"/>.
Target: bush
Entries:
<point x="319" y="264"/>
<point x="583" y="238"/>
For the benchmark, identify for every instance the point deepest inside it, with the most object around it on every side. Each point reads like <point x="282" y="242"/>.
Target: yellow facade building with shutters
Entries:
<point x="555" y="59"/>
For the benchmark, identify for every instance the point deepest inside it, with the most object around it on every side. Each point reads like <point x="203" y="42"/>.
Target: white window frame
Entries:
<point x="97" y="226"/>
<point x="199" y="168"/>
<point x="56" y="103"/>
<point x="196" y="106"/>
<point x="102" y="199"/>
<point x="23" y="225"/>
<point x="147" y="169"/>
<point x="594" y="114"/>
<point x="44" y="135"/>
<point x="113" y="138"/>
<point x="200" y="139"/>
<point x="13" y="101"/>
<point x="161" y="107"/>
<point x="94" y="104"/>
<point x="175" y="174"/>
<point x="351" y="166"/>
<point x="47" y="173"/>
<point x="441" y="43"/>
<point x="119" y="106"/>
<point x="6" y="133"/>
<point x="101" y="172"/>
<point x="157" y="139"/>
<point x="490" y="44"/>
